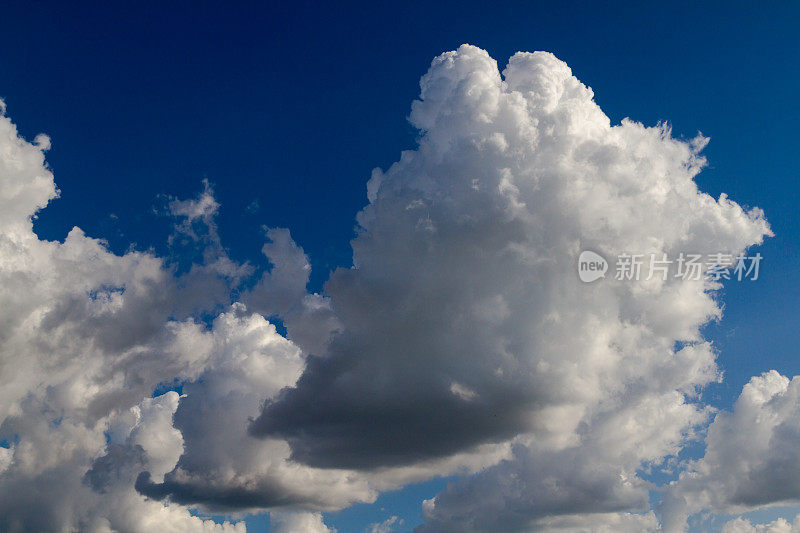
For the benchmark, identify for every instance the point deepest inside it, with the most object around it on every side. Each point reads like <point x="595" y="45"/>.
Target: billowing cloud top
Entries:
<point x="463" y="321"/>
<point x="461" y="339"/>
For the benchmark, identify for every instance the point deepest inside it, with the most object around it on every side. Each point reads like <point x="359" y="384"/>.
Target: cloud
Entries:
<point x="591" y="485"/>
<point x="387" y="526"/>
<point x="222" y="466"/>
<point x="297" y="522"/>
<point x="87" y="336"/>
<point x="463" y="280"/>
<point x="25" y="181"/>
<point x="460" y="341"/>
<point x="740" y="525"/>
<point x="751" y="458"/>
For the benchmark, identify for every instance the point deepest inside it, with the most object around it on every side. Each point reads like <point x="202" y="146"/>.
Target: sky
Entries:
<point x="184" y="136"/>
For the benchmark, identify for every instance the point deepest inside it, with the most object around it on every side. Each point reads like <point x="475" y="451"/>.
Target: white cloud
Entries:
<point x="85" y="337"/>
<point x="298" y="523"/>
<point x="601" y="523"/>
<point x="464" y="273"/>
<point x="741" y="525"/>
<point x="387" y="526"/>
<point x="461" y="340"/>
<point x="751" y="459"/>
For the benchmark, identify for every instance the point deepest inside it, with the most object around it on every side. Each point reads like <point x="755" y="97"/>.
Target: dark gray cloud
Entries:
<point x="216" y="497"/>
<point x="109" y="469"/>
<point x="513" y="495"/>
<point x="401" y="422"/>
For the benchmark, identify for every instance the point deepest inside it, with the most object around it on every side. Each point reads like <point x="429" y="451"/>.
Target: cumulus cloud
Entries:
<point x="741" y="525"/>
<point x="463" y="276"/>
<point x="462" y="321"/>
<point x="461" y="340"/>
<point x="751" y="458"/>
<point x="308" y="318"/>
<point x="87" y="336"/>
<point x="298" y="522"/>
<point x="222" y="466"/>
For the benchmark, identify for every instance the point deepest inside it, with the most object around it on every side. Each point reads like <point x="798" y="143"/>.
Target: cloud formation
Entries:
<point x="751" y="458"/>
<point x="463" y="321"/>
<point x="460" y="341"/>
<point x="85" y="338"/>
<point x="740" y="525"/>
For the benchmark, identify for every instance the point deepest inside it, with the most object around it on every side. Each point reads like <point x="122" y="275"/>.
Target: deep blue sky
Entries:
<point x="293" y="105"/>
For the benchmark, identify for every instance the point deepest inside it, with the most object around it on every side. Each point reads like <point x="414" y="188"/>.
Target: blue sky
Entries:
<point x="292" y="105"/>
